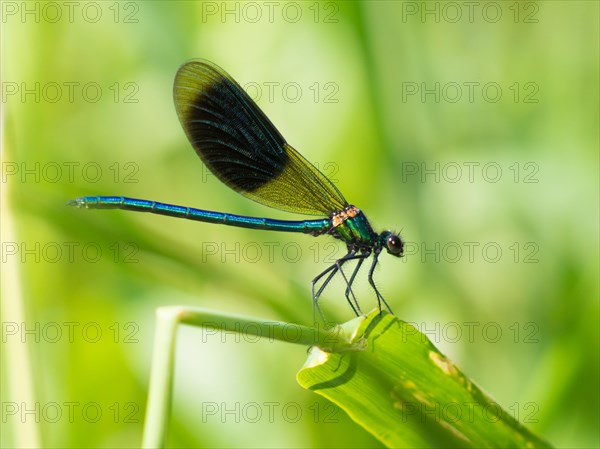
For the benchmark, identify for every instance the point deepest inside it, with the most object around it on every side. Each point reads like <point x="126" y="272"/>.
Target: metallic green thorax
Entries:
<point x="351" y="226"/>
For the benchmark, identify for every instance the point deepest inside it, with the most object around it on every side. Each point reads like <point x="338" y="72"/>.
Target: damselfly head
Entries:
<point x="393" y="243"/>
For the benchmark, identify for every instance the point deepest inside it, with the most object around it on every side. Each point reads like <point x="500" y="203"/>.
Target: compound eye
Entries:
<point x="395" y="245"/>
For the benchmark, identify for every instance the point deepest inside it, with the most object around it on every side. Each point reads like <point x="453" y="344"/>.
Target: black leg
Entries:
<point x="332" y="270"/>
<point x="349" y="284"/>
<point x="361" y="258"/>
<point x="379" y="297"/>
<point x="315" y="297"/>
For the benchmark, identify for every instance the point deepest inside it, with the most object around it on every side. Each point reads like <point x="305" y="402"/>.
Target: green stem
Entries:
<point x="163" y="358"/>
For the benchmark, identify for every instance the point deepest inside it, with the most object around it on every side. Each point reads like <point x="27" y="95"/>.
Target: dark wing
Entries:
<point x="241" y="146"/>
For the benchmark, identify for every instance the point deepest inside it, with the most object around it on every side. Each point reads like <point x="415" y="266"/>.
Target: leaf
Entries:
<point x="406" y="393"/>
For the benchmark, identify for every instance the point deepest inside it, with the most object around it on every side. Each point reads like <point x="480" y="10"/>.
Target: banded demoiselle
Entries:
<point x="240" y="145"/>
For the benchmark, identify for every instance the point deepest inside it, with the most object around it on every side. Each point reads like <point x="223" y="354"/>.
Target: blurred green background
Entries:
<point x="472" y="129"/>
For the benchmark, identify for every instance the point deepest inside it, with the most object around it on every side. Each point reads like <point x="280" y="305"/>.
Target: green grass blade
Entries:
<point x="407" y="394"/>
<point x="168" y="319"/>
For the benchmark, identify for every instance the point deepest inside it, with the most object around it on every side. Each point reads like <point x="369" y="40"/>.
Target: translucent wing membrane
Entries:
<point x="241" y="146"/>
